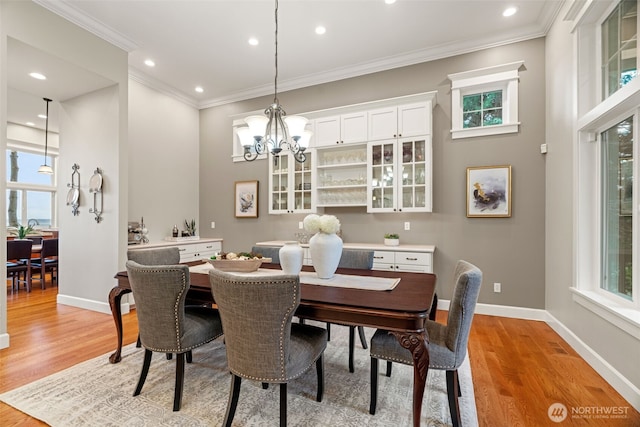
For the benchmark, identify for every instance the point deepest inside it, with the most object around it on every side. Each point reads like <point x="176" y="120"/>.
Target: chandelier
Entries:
<point x="46" y="169"/>
<point x="274" y="131"/>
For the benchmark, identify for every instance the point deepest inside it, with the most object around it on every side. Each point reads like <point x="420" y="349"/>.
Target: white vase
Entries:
<point x="291" y="257"/>
<point x="326" y="250"/>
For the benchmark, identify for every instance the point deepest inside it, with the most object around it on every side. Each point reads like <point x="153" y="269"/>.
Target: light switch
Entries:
<point x="407" y="226"/>
<point x="213" y="224"/>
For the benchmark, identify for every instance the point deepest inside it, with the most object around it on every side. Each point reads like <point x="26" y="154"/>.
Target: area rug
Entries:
<point x="98" y="393"/>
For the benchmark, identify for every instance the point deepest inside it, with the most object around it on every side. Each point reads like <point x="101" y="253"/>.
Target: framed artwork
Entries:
<point x="489" y="191"/>
<point x="246" y="199"/>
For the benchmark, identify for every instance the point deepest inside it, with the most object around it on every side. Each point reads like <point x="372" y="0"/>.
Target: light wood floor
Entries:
<point x="519" y="367"/>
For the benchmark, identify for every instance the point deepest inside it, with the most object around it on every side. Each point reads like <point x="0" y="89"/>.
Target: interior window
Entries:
<point x="619" y="47"/>
<point x="617" y="217"/>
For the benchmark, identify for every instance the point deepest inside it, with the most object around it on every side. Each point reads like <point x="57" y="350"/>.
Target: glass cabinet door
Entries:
<point x="382" y="177"/>
<point x="302" y="184"/>
<point x="413" y="167"/>
<point x="279" y="183"/>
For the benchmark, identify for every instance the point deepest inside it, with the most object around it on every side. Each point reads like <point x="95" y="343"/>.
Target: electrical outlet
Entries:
<point x="300" y="225"/>
<point x="213" y="224"/>
<point x="497" y="287"/>
<point x="407" y="226"/>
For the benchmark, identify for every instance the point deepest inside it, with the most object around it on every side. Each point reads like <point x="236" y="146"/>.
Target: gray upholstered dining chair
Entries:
<point x="360" y="259"/>
<point x="164" y="323"/>
<point x="447" y="343"/>
<point x="156" y="256"/>
<point x="268" y="252"/>
<point x="262" y="342"/>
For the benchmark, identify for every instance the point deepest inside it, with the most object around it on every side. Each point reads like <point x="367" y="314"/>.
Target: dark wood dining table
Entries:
<point x="402" y="311"/>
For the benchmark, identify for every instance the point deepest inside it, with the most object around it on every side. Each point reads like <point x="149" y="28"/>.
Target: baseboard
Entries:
<point x="99" y="306"/>
<point x="4" y="340"/>
<point x="630" y="392"/>
<point x="503" y="311"/>
<point x="623" y="386"/>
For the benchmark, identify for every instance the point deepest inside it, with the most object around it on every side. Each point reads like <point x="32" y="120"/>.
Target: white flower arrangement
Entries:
<point x="323" y="224"/>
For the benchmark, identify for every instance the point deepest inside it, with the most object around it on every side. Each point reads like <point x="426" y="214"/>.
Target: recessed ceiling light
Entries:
<point x="320" y="30"/>
<point x="42" y="116"/>
<point x="30" y="124"/>
<point x="510" y="11"/>
<point x="199" y="89"/>
<point x="149" y="63"/>
<point x="38" y="76"/>
<point x="389" y="1"/>
<point x="253" y="41"/>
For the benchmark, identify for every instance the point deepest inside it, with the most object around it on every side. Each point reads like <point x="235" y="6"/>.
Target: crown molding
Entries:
<point x="145" y="79"/>
<point x="71" y="13"/>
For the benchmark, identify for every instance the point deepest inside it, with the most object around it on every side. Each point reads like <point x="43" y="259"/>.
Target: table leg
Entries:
<point x="418" y="345"/>
<point x="115" y="295"/>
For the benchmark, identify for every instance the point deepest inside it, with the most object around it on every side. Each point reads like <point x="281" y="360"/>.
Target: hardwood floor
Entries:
<point x="519" y="367"/>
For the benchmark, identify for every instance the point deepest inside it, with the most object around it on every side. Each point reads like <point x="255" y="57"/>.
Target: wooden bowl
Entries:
<point x="245" y="265"/>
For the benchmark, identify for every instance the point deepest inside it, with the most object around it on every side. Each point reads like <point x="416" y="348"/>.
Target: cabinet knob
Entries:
<point x="399" y="135"/>
<point x="395" y="136"/>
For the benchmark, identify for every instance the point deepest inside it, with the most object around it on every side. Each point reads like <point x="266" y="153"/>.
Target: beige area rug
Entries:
<point x="97" y="393"/>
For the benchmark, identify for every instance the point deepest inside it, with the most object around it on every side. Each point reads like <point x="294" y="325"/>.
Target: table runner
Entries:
<point x="371" y="283"/>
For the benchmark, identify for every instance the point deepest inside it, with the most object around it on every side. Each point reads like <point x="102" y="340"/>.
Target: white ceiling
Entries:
<point x="204" y="42"/>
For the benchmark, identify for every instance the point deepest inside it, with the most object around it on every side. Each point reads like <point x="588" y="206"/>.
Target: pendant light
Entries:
<point x="271" y="132"/>
<point x="46" y="169"/>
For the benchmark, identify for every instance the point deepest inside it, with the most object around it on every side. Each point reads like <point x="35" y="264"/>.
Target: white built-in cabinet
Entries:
<point x="340" y="129"/>
<point x="399" y="175"/>
<point x="190" y="250"/>
<point x="290" y="184"/>
<point x="376" y="154"/>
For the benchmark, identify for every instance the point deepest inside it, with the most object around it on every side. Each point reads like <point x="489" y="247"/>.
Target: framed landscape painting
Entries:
<point x="489" y="191"/>
<point x="246" y="199"/>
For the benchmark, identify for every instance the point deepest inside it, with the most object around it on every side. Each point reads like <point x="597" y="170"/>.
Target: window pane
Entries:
<point x="471" y="102"/>
<point x="39" y="207"/>
<point x="492" y="99"/>
<point x="492" y="117"/>
<point x="471" y="120"/>
<point x="14" y="208"/>
<point x="617" y="226"/>
<point x="619" y="47"/>
<point x="23" y="167"/>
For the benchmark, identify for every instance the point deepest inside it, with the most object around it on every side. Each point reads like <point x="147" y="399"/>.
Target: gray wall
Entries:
<point x="503" y="248"/>
<point x="163" y="166"/>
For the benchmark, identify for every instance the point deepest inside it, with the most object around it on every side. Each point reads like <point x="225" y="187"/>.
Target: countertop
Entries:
<point x="166" y="243"/>
<point x="374" y="246"/>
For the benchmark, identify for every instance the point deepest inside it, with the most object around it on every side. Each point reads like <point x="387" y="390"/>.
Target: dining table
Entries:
<point x="401" y="310"/>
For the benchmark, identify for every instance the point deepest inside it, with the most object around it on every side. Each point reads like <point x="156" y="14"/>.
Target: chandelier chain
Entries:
<point x="275" y="96"/>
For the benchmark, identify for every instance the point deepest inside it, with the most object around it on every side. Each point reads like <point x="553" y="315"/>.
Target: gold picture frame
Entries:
<point x="246" y="199"/>
<point x="489" y="191"/>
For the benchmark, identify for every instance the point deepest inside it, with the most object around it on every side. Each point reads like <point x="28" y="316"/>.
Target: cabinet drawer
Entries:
<point x="383" y="257"/>
<point x="420" y="258"/>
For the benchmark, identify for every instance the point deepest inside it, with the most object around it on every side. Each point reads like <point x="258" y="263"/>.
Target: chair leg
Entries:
<point x="389" y="364"/>
<point x="453" y="392"/>
<point x="138" y="342"/>
<point x="265" y="386"/>
<point x="363" y="337"/>
<point x="234" y="392"/>
<point x="283" y="404"/>
<point x="169" y="356"/>
<point x="189" y="356"/>
<point x="145" y="370"/>
<point x="352" y="338"/>
<point x="177" y="398"/>
<point x="328" y="331"/>
<point x="374" y="386"/>
<point x="320" y="375"/>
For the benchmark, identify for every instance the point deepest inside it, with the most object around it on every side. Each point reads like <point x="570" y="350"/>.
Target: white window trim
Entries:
<point x="501" y="77"/>
<point x="616" y="310"/>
